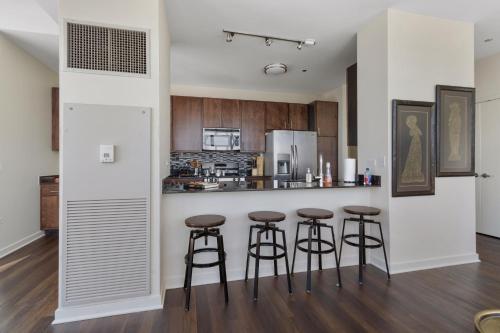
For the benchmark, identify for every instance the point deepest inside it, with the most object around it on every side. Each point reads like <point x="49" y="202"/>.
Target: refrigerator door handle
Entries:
<point x="292" y="163"/>
<point x="296" y="163"/>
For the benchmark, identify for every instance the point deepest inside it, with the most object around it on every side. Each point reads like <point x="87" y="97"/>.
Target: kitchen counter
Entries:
<point x="260" y="185"/>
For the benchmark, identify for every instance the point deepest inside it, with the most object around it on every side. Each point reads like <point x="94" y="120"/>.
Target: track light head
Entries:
<point x="229" y="37"/>
<point x="299" y="45"/>
<point x="269" y="41"/>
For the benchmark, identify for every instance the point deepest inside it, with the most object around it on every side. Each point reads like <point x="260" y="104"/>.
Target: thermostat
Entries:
<point x="107" y="153"/>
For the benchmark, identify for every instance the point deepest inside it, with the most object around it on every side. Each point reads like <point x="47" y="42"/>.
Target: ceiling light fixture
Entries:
<point x="229" y="37"/>
<point x="275" y="69"/>
<point x="270" y="39"/>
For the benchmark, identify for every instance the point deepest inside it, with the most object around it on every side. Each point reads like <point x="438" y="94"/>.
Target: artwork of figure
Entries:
<point x="454" y="131"/>
<point x="412" y="172"/>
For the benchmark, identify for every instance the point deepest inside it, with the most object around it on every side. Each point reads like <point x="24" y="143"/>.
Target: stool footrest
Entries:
<point x="368" y="246"/>
<point x="271" y="257"/>
<point x="208" y="264"/>
<point x="315" y="240"/>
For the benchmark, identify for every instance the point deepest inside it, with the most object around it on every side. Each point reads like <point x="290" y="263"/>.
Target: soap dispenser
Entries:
<point x="309" y="176"/>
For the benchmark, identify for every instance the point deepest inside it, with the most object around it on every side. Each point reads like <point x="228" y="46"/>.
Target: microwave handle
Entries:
<point x="231" y="141"/>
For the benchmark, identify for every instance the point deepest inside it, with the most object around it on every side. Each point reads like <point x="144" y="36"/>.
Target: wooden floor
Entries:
<point x="437" y="300"/>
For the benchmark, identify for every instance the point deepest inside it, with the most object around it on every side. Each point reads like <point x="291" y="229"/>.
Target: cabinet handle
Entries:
<point x="291" y="124"/>
<point x="53" y="191"/>
<point x="319" y="131"/>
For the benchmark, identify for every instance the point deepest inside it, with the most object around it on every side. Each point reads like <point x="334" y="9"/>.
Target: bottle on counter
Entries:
<point x="309" y="176"/>
<point x="367" y="178"/>
<point x="328" y="174"/>
<point x="320" y="167"/>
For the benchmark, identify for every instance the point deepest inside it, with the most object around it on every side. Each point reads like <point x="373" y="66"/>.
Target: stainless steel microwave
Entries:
<point x="223" y="139"/>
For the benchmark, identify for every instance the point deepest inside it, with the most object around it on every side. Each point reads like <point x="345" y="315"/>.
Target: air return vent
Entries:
<point x="107" y="250"/>
<point x="102" y="49"/>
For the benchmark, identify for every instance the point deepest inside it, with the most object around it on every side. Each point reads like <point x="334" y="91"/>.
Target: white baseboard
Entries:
<point x="20" y="243"/>
<point x="77" y="313"/>
<point x="202" y="277"/>
<point x="409" y="266"/>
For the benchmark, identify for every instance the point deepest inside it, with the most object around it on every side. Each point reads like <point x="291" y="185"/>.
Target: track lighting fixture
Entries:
<point x="270" y="39"/>
<point x="229" y="37"/>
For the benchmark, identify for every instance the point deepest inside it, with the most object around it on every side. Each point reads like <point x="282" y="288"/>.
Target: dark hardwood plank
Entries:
<point x="436" y="300"/>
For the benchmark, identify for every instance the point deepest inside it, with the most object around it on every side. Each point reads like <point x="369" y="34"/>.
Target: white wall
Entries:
<point x="488" y="78"/>
<point x="415" y="53"/>
<point x="25" y="143"/>
<point x="120" y="90"/>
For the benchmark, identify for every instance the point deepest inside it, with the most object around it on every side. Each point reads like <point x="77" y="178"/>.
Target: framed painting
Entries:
<point x="455" y="119"/>
<point x="413" y="137"/>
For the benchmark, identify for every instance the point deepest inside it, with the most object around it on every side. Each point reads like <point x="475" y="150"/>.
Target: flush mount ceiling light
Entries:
<point x="275" y="69"/>
<point x="269" y="39"/>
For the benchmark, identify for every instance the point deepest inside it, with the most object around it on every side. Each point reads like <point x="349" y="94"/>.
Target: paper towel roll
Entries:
<point x="350" y="170"/>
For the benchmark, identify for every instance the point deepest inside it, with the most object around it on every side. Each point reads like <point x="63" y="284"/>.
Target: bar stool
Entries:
<point x="269" y="218"/>
<point x="313" y="215"/>
<point x="204" y="226"/>
<point x="363" y="211"/>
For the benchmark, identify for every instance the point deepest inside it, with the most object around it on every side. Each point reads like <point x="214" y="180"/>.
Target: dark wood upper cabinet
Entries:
<point x="328" y="147"/>
<point x="55" y="119"/>
<point x="276" y="116"/>
<point x="231" y="114"/>
<point x="223" y="113"/>
<point x="186" y="123"/>
<point x="352" y="105"/>
<point x="323" y="118"/>
<point x="298" y="120"/>
<point x="253" y="126"/>
<point x="212" y="112"/>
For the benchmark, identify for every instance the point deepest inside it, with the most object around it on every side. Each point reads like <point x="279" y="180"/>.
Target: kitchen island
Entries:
<point x="235" y="201"/>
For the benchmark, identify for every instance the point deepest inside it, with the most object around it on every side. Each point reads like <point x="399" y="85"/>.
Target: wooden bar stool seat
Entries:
<point x="362" y="237"/>
<point x="269" y="220"/>
<point x="313" y="216"/>
<point x="204" y="226"/>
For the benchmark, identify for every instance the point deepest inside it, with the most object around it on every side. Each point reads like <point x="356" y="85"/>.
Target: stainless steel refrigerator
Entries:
<point x="290" y="153"/>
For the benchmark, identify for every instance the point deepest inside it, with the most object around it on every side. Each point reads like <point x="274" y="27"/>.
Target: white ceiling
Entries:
<point x="200" y="55"/>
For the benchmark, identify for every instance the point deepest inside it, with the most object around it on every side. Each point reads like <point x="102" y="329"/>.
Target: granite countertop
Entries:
<point x="260" y="185"/>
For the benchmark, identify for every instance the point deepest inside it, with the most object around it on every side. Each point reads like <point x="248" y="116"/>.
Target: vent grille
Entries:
<point x="103" y="49"/>
<point x="107" y="250"/>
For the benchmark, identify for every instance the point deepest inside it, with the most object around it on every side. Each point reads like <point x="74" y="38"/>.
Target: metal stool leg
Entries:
<point x="186" y="271"/>
<point x="189" y="271"/>
<point x="275" y="253"/>
<point x="361" y="217"/>
<point x="221" y="277"/>
<point x="257" y="255"/>
<point x="248" y="250"/>
<point x="309" y="245"/>
<point x="337" y="259"/>
<point x="385" y="254"/>
<point x="220" y="247"/>
<point x="295" y="246"/>
<point x="361" y="243"/>
<point x="342" y="240"/>
<point x="286" y="263"/>
<point x="320" y="263"/>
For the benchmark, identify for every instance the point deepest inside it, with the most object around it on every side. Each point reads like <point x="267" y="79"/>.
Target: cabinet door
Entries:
<point x="326" y="118"/>
<point x="231" y="114"/>
<point x="49" y="207"/>
<point x="253" y="126"/>
<point x="276" y="116"/>
<point x="298" y="120"/>
<point x="327" y="146"/>
<point x="212" y="110"/>
<point x="186" y="123"/>
<point x="352" y="105"/>
<point x="55" y="119"/>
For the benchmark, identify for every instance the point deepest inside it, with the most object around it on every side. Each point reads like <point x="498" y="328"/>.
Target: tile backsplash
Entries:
<point x="181" y="160"/>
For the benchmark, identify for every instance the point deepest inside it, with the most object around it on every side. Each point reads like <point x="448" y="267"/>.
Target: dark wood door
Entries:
<point x="49" y="206"/>
<point x="231" y="114"/>
<point x="55" y="119"/>
<point x="326" y="118"/>
<point x="276" y="116"/>
<point x="186" y="123"/>
<point x="328" y="147"/>
<point x="212" y="112"/>
<point x="352" y="105"/>
<point x="253" y="126"/>
<point x="298" y="120"/>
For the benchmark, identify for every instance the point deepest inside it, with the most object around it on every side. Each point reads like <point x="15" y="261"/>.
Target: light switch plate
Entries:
<point x="107" y="153"/>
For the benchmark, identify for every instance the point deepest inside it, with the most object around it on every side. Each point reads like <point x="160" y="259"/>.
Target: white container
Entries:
<point x="309" y="176"/>
<point x="350" y="170"/>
